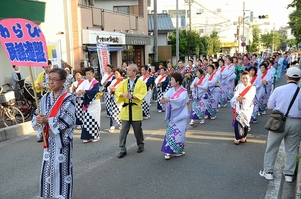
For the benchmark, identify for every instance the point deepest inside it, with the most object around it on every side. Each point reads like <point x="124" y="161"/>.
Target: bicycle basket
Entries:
<point x="8" y="98"/>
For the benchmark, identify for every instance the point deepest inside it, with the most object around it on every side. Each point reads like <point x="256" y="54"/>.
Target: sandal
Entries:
<point x="167" y="157"/>
<point x="243" y="140"/>
<point x="191" y="123"/>
<point x="236" y="142"/>
<point x="86" y="141"/>
<point x="180" y="154"/>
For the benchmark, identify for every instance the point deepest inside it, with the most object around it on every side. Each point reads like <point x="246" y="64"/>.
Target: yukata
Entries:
<point x="223" y="87"/>
<point x="230" y="81"/>
<point x="265" y="90"/>
<point x="149" y="81"/>
<point x="78" y="104"/>
<point x="200" y="97"/>
<point x="162" y="82"/>
<point x="189" y="77"/>
<point x="213" y="93"/>
<point x="243" y="110"/>
<point x="113" y="107"/>
<point x="107" y="78"/>
<point x="89" y="114"/>
<point x="56" y="180"/>
<point x="176" y="114"/>
<point x="255" y="81"/>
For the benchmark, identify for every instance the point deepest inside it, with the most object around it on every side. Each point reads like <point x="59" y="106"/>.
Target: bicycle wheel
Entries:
<point x="25" y="107"/>
<point x="12" y="115"/>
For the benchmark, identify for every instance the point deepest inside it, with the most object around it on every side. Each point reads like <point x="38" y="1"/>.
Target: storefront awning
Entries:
<point x="229" y="44"/>
<point x="111" y="48"/>
<point x="27" y="9"/>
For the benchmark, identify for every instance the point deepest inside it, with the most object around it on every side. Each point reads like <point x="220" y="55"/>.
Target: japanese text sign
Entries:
<point x="23" y="42"/>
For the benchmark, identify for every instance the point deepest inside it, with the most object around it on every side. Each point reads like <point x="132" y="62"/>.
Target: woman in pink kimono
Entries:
<point x="174" y="101"/>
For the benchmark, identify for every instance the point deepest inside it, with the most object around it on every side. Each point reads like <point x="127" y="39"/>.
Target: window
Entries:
<point x="149" y="3"/>
<point x="201" y="31"/>
<point x="88" y="2"/>
<point x="122" y="9"/>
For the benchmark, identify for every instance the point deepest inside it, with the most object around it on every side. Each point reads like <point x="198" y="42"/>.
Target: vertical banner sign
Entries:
<point x="103" y="56"/>
<point x="54" y="54"/>
<point x="23" y="42"/>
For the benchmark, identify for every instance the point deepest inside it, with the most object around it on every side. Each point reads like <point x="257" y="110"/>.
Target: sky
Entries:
<point x="276" y="9"/>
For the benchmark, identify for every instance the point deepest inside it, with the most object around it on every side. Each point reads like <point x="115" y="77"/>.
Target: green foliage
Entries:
<point x="295" y="24"/>
<point x="268" y="39"/>
<point x="291" y="42"/>
<point x="254" y="47"/>
<point x="214" y="44"/>
<point x="190" y="43"/>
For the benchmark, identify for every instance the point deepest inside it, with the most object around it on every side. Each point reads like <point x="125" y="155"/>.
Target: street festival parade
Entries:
<point x="140" y="99"/>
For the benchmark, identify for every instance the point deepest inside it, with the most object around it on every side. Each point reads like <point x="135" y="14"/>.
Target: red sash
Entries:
<point x="201" y="80"/>
<point x="109" y="77"/>
<point x="146" y="76"/>
<point x="223" y="68"/>
<point x="190" y="69"/>
<point x="242" y="94"/>
<point x="253" y="79"/>
<point x="118" y="81"/>
<point x="230" y="66"/>
<point x="212" y="75"/>
<point x="162" y="77"/>
<point x="263" y="75"/>
<point x="170" y="71"/>
<point x="55" y="109"/>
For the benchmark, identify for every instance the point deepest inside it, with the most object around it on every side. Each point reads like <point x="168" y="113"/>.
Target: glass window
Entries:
<point x="122" y="9"/>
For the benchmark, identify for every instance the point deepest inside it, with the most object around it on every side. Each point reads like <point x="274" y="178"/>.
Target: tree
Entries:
<point x="190" y="43"/>
<point x="256" y="38"/>
<point x="268" y="39"/>
<point x="214" y="44"/>
<point x="291" y="42"/>
<point x="295" y="19"/>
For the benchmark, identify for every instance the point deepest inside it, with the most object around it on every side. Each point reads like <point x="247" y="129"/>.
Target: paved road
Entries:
<point x="213" y="166"/>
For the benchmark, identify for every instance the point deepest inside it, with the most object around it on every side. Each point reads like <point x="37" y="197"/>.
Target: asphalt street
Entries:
<point x="213" y="166"/>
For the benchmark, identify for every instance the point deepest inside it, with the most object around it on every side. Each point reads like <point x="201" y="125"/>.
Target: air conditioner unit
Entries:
<point x="200" y="11"/>
<point x="218" y="10"/>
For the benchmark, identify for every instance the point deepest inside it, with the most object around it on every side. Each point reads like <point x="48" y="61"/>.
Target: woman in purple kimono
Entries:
<point x="213" y="92"/>
<point x="230" y="71"/>
<point x="174" y="101"/>
<point x="223" y="83"/>
<point x="199" y="94"/>
<point x="266" y="86"/>
<point x="255" y="80"/>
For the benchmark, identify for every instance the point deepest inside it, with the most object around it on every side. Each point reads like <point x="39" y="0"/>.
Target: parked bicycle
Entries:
<point x="9" y="114"/>
<point x="26" y="103"/>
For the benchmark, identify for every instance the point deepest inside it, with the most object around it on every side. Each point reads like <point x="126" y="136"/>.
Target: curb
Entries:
<point x="298" y="179"/>
<point x="15" y="131"/>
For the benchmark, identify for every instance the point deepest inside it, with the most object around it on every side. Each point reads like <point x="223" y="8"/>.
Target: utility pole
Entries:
<point x="273" y="45"/>
<point x="189" y="3"/>
<point x="155" y="32"/>
<point x="177" y="30"/>
<point x="243" y="24"/>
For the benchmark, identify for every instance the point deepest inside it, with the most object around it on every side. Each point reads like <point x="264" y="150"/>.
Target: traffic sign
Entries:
<point x="243" y="44"/>
<point x="243" y="39"/>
